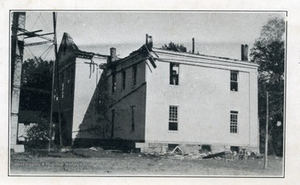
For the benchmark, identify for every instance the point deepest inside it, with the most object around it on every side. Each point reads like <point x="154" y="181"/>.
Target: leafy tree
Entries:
<point x="36" y="85"/>
<point x="268" y="52"/>
<point x="174" y="47"/>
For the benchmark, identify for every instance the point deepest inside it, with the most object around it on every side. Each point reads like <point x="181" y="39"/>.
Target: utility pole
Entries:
<point x="57" y="82"/>
<point x="17" y="48"/>
<point x="19" y="34"/>
<point x="267" y="130"/>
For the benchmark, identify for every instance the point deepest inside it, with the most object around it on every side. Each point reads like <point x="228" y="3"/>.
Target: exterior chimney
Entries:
<point x="149" y="41"/>
<point x="244" y="52"/>
<point x="113" y="54"/>
<point x="193" y="45"/>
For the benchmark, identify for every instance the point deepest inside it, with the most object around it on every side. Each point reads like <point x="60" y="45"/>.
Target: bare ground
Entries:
<point x="101" y="162"/>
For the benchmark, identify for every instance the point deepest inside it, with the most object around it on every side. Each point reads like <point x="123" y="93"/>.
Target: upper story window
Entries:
<point x="123" y="79"/>
<point x="233" y="121"/>
<point x="234" y="80"/>
<point x="174" y="73"/>
<point x="134" y="74"/>
<point x="114" y="83"/>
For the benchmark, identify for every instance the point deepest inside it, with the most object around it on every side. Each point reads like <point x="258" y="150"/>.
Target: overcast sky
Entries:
<point x="215" y="33"/>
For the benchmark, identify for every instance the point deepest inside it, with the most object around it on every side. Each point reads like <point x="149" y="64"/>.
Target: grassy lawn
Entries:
<point x="115" y="163"/>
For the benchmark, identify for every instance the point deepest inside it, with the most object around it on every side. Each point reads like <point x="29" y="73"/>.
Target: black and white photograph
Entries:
<point x="118" y="93"/>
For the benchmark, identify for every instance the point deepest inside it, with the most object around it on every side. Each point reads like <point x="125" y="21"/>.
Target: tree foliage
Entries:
<point x="36" y="85"/>
<point x="174" y="47"/>
<point x="38" y="135"/>
<point x="268" y="52"/>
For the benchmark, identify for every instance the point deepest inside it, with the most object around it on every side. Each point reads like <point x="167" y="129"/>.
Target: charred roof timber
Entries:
<point x="113" y="54"/>
<point x="244" y="52"/>
<point x="149" y="42"/>
<point x="193" y="45"/>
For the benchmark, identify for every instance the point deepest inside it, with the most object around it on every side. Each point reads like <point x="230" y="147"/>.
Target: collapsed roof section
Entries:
<point x="149" y="52"/>
<point x="67" y="44"/>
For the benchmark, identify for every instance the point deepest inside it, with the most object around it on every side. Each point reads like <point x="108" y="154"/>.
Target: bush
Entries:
<point x="38" y="135"/>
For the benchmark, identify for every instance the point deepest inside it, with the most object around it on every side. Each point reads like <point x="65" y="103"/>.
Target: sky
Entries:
<point x="215" y="33"/>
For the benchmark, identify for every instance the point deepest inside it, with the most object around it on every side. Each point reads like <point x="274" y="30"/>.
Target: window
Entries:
<point x="132" y="118"/>
<point x="173" y="118"/>
<point x="134" y="72"/>
<point x="123" y="79"/>
<point x="112" y="122"/>
<point x="174" y="73"/>
<point x="233" y="121"/>
<point x="234" y="80"/>
<point x="62" y="90"/>
<point x="114" y="83"/>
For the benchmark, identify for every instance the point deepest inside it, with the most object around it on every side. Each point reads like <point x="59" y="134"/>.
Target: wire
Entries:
<point x="31" y="52"/>
<point x="36" y="21"/>
<point x="48" y="52"/>
<point x="43" y="21"/>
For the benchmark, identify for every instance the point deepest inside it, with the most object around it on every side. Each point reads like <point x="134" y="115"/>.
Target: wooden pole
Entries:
<point x="17" y="47"/>
<point x="266" y="136"/>
<point x="57" y="82"/>
<point x="53" y="86"/>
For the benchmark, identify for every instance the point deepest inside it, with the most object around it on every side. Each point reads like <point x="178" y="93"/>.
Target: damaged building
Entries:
<point x="156" y="99"/>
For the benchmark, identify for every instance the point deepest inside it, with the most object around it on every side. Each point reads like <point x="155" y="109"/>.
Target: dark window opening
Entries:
<point x="234" y="80"/>
<point x="134" y="74"/>
<point x="233" y="121"/>
<point x="112" y="122"/>
<point x="171" y="147"/>
<point x="132" y="118"/>
<point x="174" y="74"/>
<point x="123" y="79"/>
<point x="114" y="83"/>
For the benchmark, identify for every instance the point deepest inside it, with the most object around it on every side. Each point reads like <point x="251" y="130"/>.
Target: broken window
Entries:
<point x="132" y="118"/>
<point x="174" y="73"/>
<point x="234" y="80"/>
<point x="134" y="73"/>
<point x="123" y="79"/>
<point x="173" y="118"/>
<point x="233" y="121"/>
<point x="114" y="83"/>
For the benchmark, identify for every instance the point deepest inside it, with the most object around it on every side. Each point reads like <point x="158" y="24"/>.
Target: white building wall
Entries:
<point x="204" y="100"/>
<point x="86" y="80"/>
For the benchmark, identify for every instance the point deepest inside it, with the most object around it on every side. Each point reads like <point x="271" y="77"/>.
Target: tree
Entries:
<point x="174" y="47"/>
<point x="268" y="52"/>
<point x="36" y="85"/>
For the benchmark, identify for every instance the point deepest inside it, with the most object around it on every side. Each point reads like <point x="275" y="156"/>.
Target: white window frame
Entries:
<point x="173" y="117"/>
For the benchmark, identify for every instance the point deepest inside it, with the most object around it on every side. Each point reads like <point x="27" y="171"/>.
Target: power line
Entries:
<point x="43" y="21"/>
<point x="45" y="51"/>
<point x="48" y="52"/>
<point x="36" y="20"/>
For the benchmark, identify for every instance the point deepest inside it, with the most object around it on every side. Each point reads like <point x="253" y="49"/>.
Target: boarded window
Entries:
<point x="233" y="121"/>
<point x="173" y="118"/>
<point x="234" y="80"/>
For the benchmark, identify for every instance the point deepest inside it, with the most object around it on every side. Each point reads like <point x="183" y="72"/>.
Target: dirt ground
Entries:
<point x="99" y="162"/>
